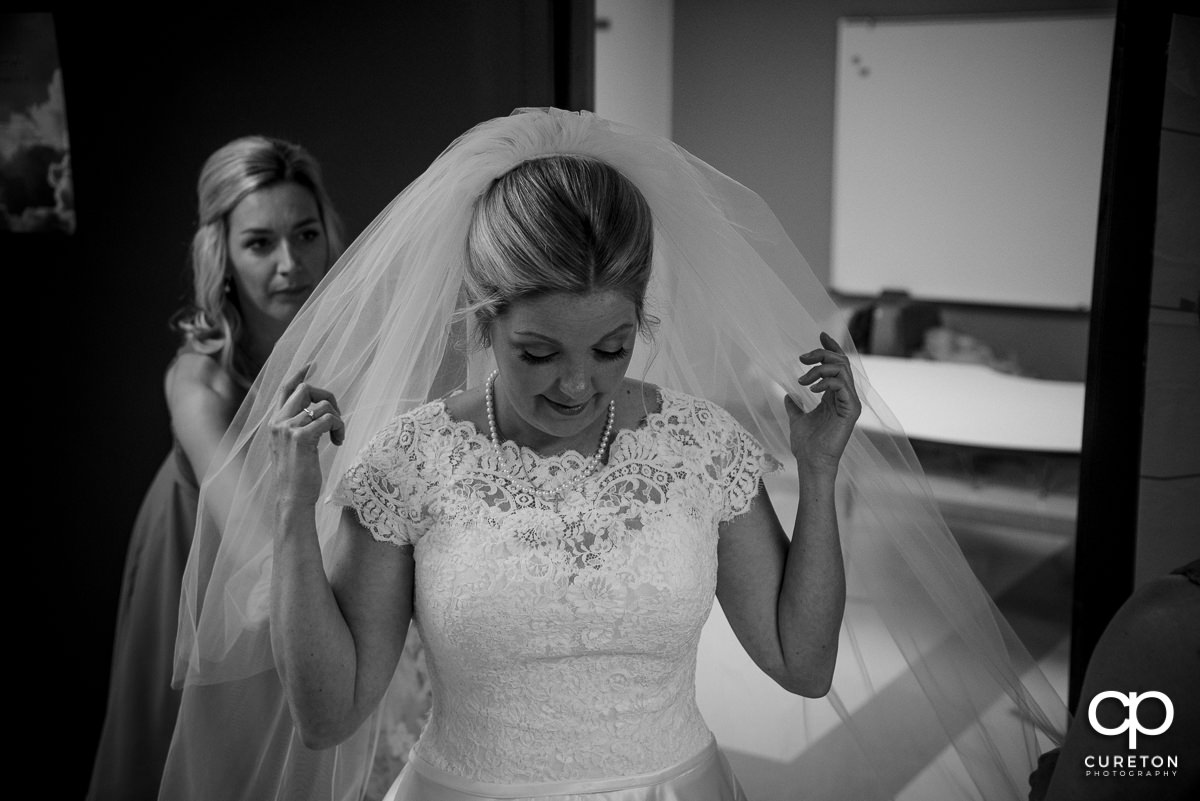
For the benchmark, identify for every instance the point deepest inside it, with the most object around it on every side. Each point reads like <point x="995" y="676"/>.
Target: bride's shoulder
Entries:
<point x="443" y="421"/>
<point x="636" y="402"/>
<point x="415" y="428"/>
<point x="677" y="403"/>
<point x="467" y="405"/>
<point x="652" y="406"/>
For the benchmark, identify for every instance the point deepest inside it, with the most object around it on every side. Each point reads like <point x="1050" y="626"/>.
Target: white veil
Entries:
<point x="378" y="333"/>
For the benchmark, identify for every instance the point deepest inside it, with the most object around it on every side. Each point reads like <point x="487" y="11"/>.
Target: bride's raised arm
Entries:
<point x="337" y="637"/>
<point x="785" y="598"/>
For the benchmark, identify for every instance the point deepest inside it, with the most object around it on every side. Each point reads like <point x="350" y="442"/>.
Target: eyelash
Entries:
<point x="602" y="355"/>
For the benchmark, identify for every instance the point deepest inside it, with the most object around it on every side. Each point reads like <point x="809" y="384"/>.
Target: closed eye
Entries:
<point x="612" y="355"/>
<point x="602" y="355"/>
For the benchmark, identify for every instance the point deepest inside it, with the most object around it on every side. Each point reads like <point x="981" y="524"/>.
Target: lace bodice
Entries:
<point x="561" y="636"/>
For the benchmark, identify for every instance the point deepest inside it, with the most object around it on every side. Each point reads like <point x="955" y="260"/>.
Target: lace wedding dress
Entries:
<point x="561" y="636"/>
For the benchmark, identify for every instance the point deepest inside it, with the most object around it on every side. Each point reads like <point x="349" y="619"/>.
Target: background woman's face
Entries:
<point x="278" y="252"/>
<point x="562" y="358"/>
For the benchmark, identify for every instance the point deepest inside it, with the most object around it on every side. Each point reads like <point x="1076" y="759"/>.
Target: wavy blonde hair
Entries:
<point x="211" y="322"/>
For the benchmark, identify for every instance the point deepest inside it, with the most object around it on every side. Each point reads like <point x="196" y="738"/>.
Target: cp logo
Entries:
<point x="1131" y="722"/>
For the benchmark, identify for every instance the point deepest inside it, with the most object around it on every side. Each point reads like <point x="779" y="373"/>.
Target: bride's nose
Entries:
<point x="574" y="383"/>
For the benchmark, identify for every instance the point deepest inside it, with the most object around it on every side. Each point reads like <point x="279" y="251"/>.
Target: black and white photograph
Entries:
<point x="605" y="400"/>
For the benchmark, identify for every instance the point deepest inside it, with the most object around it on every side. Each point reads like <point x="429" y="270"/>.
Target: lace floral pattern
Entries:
<point x="560" y="636"/>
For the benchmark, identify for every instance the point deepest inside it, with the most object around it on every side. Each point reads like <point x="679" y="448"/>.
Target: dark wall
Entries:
<point x="375" y="96"/>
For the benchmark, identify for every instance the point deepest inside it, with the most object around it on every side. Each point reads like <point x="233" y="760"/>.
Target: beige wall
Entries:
<point x="633" y="62"/>
<point x="754" y="89"/>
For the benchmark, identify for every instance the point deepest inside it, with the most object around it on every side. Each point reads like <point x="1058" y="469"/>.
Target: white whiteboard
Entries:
<point x="967" y="157"/>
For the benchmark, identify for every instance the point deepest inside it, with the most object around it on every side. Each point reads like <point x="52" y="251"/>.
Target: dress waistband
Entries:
<point x="471" y="787"/>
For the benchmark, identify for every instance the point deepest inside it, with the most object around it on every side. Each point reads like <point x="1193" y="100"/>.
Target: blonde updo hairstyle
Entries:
<point x="211" y="323"/>
<point x="562" y="223"/>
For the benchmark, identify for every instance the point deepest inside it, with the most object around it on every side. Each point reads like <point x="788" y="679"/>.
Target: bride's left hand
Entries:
<point x="819" y="437"/>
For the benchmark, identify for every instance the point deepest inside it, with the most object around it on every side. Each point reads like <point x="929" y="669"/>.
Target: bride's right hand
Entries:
<point x="305" y="413"/>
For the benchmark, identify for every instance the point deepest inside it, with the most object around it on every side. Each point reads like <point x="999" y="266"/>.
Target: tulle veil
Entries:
<point x="380" y="332"/>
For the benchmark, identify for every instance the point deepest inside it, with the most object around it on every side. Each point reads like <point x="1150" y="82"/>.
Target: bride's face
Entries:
<point x="562" y="358"/>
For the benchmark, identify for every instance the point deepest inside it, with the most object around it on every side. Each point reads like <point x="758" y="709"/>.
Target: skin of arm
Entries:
<point x="784" y="600"/>
<point x="337" y="639"/>
<point x="336" y="636"/>
<point x="202" y="400"/>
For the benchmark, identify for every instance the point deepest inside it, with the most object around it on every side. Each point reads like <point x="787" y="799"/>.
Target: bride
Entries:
<point x="555" y="504"/>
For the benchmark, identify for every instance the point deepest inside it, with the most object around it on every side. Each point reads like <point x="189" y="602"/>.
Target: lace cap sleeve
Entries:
<point x="384" y="486"/>
<point x="741" y="461"/>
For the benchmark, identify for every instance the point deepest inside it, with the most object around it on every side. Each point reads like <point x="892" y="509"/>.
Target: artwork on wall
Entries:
<point x="36" y="193"/>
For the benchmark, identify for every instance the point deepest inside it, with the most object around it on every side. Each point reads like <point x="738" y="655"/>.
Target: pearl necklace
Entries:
<point x="589" y="466"/>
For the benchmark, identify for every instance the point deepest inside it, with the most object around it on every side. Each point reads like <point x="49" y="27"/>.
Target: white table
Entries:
<point x="974" y="405"/>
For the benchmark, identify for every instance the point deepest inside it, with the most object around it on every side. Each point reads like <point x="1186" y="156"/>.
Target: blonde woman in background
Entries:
<point x="267" y="235"/>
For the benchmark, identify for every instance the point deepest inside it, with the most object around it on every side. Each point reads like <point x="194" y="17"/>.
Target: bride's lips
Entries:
<point x="293" y="291"/>
<point x="567" y="410"/>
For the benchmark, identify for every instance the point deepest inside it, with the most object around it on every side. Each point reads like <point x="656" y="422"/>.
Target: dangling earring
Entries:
<point x="228" y="284"/>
